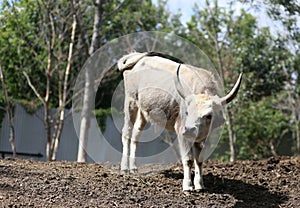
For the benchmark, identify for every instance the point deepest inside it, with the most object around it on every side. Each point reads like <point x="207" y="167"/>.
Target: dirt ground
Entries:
<point x="273" y="182"/>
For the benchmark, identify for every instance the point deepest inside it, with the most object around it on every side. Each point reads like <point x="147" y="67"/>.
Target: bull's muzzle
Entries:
<point x="190" y="132"/>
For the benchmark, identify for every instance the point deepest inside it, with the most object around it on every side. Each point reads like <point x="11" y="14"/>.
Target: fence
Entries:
<point x="30" y="140"/>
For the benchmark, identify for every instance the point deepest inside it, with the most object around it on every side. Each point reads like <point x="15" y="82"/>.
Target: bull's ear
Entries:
<point x="178" y="84"/>
<point x="231" y="95"/>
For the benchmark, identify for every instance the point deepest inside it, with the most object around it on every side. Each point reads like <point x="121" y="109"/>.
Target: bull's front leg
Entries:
<point x="187" y="162"/>
<point x="187" y="173"/>
<point x="198" y="179"/>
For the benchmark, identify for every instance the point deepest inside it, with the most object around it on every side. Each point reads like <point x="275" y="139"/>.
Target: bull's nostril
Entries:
<point x="193" y="129"/>
<point x="189" y="131"/>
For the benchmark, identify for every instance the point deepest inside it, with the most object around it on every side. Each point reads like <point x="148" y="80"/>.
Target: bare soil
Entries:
<point x="274" y="182"/>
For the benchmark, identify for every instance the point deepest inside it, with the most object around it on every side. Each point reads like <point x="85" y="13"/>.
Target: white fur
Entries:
<point x="129" y="60"/>
<point x="149" y="85"/>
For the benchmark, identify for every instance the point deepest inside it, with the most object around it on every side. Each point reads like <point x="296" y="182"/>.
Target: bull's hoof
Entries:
<point x="187" y="193"/>
<point x="200" y="190"/>
<point x="124" y="172"/>
<point x="134" y="170"/>
<point x="188" y="189"/>
<point x="187" y="185"/>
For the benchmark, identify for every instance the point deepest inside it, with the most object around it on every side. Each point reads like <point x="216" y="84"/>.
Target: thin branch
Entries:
<point x="81" y="31"/>
<point x="33" y="88"/>
<point x="215" y="36"/>
<point x="31" y="48"/>
<point x="67" y="72"/>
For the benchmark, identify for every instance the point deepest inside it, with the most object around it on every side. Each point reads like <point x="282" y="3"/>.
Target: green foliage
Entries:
<point x="132" y="16"/>
<point x="102" y="114"/>
<point x="135" y="16"/>
<point x="291" y="8"/>
<point x="262" y="130"/>
<point x="12" y="53"/>
<point x="26" y="35"/>
<point x="30" y="106"/>
<point x="260" y="125"/>
<point x="270" y="64"/>
<point x="2" y="109"/>
<point x="262" y="60"/>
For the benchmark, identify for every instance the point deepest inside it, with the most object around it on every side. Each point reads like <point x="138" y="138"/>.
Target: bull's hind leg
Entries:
<point x="198" y="179"/>
<point x="139" y="125"/>
<point x="129" y="118"/>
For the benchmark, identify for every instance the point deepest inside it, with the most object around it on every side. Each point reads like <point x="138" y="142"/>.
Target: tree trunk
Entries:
<point x="86" y="115"/>
<point x="88" y="97"/>
<point x="297" y="127"/>
<point x="218" y="49"/>
<point x="63" y="99"/>
<point x="293" y="103"/>
<point x="298" y="137"/>
<point x="273" y="148"/>
<point x="232" y="138"/>
<point x="9" y="113"/>
<point x="47" y="119"/>
<point x="48" y="131"/>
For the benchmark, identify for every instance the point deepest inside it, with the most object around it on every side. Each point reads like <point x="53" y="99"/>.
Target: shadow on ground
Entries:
<point x="247" y="195"/>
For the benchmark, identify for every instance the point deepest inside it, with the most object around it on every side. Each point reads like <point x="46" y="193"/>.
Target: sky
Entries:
<point x="186" y="9"/>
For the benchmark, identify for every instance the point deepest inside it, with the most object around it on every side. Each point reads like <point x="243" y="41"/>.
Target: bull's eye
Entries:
<point x="208" y="117"/>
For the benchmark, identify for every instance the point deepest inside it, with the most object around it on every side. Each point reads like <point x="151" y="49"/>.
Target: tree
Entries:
<point x="236" y="43"/>
<point x="207" y="29"/>
<point x="89" y="86"/>
<point x="287" y="12"/>
<point x="9" y="113"/>
<point x="263" y="129"/>
<point x="49" y="42"/>
<point x="40" y="41"/>
<point x="111" y="20"/>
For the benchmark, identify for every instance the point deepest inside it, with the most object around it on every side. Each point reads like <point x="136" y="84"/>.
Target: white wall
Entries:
<point x="31" y="138"/>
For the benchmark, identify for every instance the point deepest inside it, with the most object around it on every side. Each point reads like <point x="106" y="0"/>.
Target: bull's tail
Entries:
<point x="128" y="61"/>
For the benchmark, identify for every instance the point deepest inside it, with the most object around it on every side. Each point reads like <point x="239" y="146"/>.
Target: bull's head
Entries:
<point x="202" y="110"/>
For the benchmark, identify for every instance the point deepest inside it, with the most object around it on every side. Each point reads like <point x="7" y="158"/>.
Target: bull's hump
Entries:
<point x="160" y="72"/>
<point x="163" y="64"/>
<point x="156" y="63"/>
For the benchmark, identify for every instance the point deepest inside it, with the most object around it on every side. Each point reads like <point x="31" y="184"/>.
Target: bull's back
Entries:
<point x="157" y="71"/>
<point x="151" y="84"/>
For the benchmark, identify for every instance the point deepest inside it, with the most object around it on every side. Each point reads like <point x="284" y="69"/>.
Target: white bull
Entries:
<point x="176" y="96"/>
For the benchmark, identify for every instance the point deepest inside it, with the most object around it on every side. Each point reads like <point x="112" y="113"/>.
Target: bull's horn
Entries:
<point x="231" y="95"/>
<point x="178" y="84"/>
